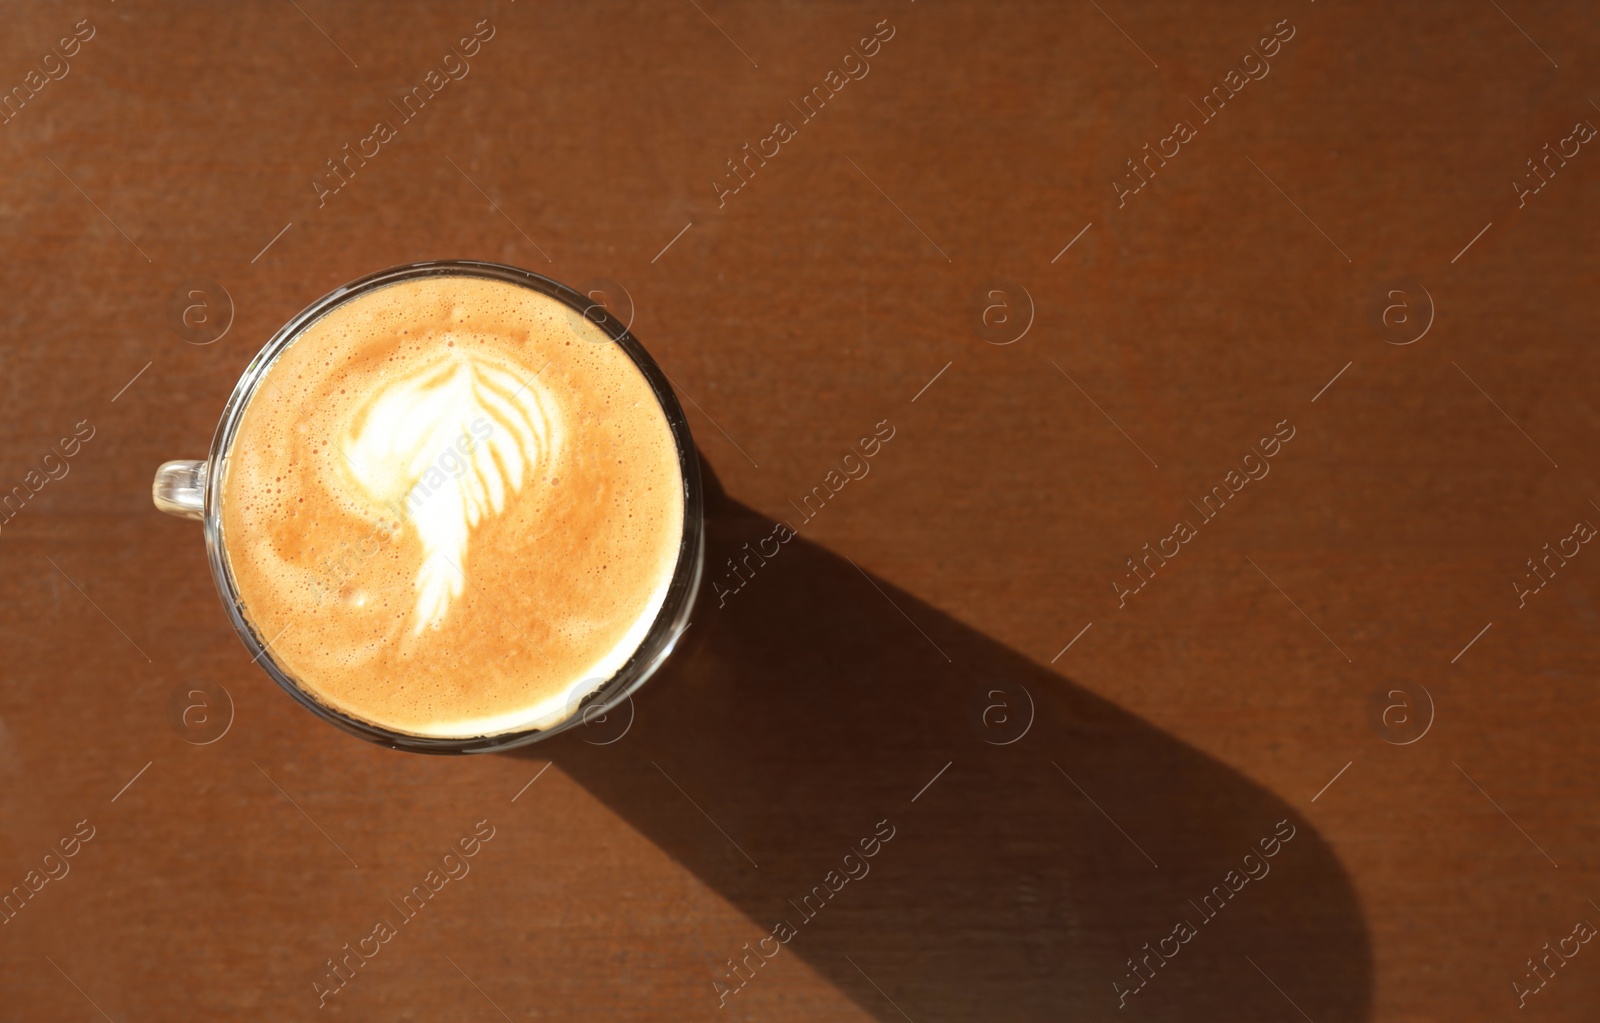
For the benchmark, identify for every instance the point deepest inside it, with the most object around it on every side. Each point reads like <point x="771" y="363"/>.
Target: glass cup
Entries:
<point x="193" y="490"/>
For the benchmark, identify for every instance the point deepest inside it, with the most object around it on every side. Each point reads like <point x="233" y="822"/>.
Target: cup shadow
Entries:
<point x="1036" y="877"/>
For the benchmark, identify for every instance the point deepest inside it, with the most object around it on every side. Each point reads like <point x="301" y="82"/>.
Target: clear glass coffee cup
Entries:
<point x="194" y="490"/>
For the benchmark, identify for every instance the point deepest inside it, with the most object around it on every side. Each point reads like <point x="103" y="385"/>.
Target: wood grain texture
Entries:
<point x="927" y="608"/>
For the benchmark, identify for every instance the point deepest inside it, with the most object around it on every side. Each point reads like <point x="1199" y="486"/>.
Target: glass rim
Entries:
<point x="670" y="620"/>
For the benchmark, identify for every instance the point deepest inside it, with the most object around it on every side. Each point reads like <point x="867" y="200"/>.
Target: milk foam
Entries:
<point x="494" y="432"/>
<point x="456" y="512"/>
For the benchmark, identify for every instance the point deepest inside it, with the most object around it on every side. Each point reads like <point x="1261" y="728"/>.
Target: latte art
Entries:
<point x="448" y="512"/>
<point x="453" y="438"/>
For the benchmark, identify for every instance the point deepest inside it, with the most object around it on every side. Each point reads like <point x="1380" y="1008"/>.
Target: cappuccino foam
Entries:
<point x="452" y="507"/>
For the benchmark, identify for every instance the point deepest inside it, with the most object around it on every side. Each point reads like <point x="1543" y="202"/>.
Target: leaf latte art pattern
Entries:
<point x="449" y="443"/>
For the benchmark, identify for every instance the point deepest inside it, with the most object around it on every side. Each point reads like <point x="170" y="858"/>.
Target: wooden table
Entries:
<point x="1237" y="362"/>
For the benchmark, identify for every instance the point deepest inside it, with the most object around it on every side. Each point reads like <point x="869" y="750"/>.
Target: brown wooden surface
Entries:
<point x="816" y="302"/>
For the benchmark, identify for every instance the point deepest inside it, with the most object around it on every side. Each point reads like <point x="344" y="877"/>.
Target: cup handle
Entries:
<point x="180" y="489"/>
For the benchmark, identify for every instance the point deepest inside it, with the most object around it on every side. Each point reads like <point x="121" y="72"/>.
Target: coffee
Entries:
<point x="447" y="512"/>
